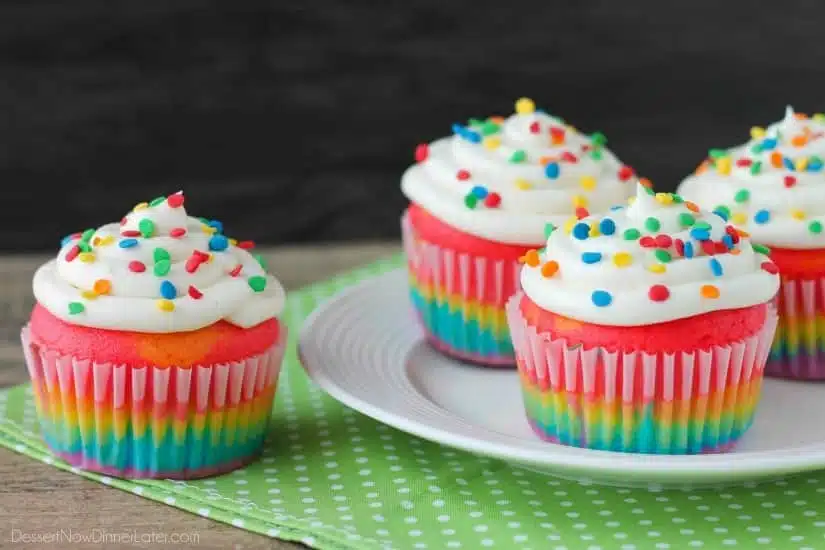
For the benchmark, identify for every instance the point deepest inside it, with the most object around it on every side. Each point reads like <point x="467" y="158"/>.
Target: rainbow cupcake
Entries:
<point x="154" y="348"/>
<point x="644" y="330"/>
<point x="479" y="200"/>
<point x="774" y="188"/>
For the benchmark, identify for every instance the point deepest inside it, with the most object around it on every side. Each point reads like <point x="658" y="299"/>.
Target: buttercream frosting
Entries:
<point x="503" y="179"/>
<point x="773" y="185"/>
<point x="659" y="259"/>
<point x="158" y="271"/>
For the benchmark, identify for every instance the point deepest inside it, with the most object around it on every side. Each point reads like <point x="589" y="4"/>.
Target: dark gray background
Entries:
<point x="291" y="121"/>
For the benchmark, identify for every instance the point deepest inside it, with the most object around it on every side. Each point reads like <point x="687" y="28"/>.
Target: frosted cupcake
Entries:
<point x="644" y="330"/>
<point x="479" y="200"/>
<point x="774" y="188"/>
<point x="154" y="348"/>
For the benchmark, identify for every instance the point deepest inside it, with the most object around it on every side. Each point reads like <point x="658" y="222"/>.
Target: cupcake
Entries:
<point x="154" y="347"/>
<point x="773" y="187"/>
<point x="479" y="200"/>
<point x="644" y="330"/>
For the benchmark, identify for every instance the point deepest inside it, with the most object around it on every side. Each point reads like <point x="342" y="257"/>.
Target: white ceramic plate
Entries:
<point x="365" y="349"/>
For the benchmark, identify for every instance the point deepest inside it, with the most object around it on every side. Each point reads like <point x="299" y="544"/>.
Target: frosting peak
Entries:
<point x="773" y="185"/>
<point x="158" y="271"/>
<point x="503" y="178"/>
<point x="657" y="260"/>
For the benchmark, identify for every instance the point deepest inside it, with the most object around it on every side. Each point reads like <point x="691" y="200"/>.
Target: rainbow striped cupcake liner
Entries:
<point x="153" y="422"/>
<point x="460" y="300"/>
<point x="798" y="350"/>
<point x="659" y="403"/>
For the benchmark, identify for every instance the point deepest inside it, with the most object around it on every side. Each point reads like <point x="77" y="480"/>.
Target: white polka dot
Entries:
<point x="169" y="500"/>
<point x="137" y="490"/>
<point x="696" y="543"/>
<point x="204" y="512"/>
<point x="480" y="528"/>
<point x="763" y="540"/>
<point x="237" y="522"/>
<point x="487" y="542"/>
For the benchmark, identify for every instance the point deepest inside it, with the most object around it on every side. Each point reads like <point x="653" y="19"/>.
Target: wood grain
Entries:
<point x="37" y="499"/>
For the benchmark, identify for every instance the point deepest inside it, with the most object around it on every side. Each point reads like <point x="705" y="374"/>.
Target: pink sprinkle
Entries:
<point x="72" y="253"/>
<point x="236" y="270"/>
<point x="137" y="267"/>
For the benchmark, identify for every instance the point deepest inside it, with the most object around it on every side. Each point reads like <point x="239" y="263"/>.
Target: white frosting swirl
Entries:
<point x="773" y="186"/>
<point x="647" y="264"/>
<point x="159" y="271"/>
<point x="509" y="159"/>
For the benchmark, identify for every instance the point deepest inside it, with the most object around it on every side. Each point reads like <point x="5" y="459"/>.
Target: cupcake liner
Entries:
<point x="689" y="402"/>
<point x="153" y="422"/>
<point x="798" y="350"/>
<point x="460" y="299"/>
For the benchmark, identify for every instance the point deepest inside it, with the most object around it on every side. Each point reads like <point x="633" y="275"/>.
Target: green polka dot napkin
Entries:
<point x="335" y="479"/>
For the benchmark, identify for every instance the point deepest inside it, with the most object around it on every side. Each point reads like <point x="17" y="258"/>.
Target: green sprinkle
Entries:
<point x="652" y="224"/>
<point x="260" y="260"/>
<point x="76" y="308"/>
<point x="475" y="122"/>
<point x="162" y="267"/>
<point x="598" y="139"/>
<point x="702" y="224"/>
<point x="756" y="149"/>
<point x="724" y="210"/>
<point x="87" y="235"/>
<point x="686" y="220"/>
<point x="596" y="154"/>
<point x="815" y="227"/>
<point x="161" y="254"/>
<point x="677" y="199"/>
<point x="470" y="201"/>
<point x="548" y="230"/>
<point x="257" y="283"/>
<point x="631" y="234"/>
<point x="518" y="156"/>
<point x="146" y="227"/>
<point x="716" y="154"/>
<point x="756" y="167"/>
<point x="84" y="246"/>
<point x="761" y="249"/>
<point x="489" y="128"/>
<point x="650" y="191"/>
<point x="742" y="195"/>
<point x="205" y="221"/>
<point x="663" y="256"/>
<point x="815" y="159"/>
<point x="157" y="201"/>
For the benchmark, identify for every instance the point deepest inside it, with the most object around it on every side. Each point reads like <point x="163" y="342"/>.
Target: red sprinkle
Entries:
<point x="422" y="151"/>
<point x="492" y="200"/>
<point x="658" y="293"/>
<point x="721" y="247"/>
<point x="734" y="234"/>
<point x="557" y="133"/>
<point x="742" y="163"/>
<point x="585" y="148"/>
<point x="680" y="246"/>
<point x="137" y="267"/>
<point x="236" y="270"/>
<point x="463" y="175"/>
<point x="625" y="173"/>
<point x="567" y="156"/>
<point x="194" y="293"/>
<point x="72" y="253"/>
<point x="193" y="262"/>
<point x="201" y="256"/>
<point x="582" y="212"/>
<point x="246" y="245"/>
<point x="663" y="241"/>
<point x="647" y="242"/>
<point x="124" y="220"/>
<point x="176" y="200"/>
<point x="535" y="128"/>
<point x="177" y="232"/>
<point x="770" y="267"/>
<point x="130" y="233"/>
<point x="709" y="247"/>
<point x="790" y="181"/>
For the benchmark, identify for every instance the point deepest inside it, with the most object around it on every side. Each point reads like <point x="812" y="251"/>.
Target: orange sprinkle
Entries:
<point x="800" y="116"/>
<point x="645" y="182"/>
<point x="546" y="160"/>
<point x="692" y="206"/>
<point x="497" y="119"/>
<point x="776" y="160"/>
<point x="743" y="233"/>
<point x="549" y="268"/>
<point x="709" y="291"/>
<point x="531" y="258"/>
<point x="735" y="251"/>
<point x="102" y="286"/>
<point x="799" y="140"/>
<point x="702" y="167"/>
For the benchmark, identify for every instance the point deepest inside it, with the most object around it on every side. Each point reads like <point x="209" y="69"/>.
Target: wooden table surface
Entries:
<point x="37" y="499"/>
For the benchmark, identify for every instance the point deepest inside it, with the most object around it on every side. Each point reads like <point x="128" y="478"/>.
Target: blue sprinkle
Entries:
<point x="762" y="216"/>
<point x="607" y="226"/>
<point x="688" y="251"/>
<point x="218" y="243"/>
<point x="716" y="267"/>
<point x="66" y="240"/>
<point x="479" y="192"/>
<point x="722" y="214"/>
<point x="617" y="207"/>
<point x="552" y="170"/>
<point x="728" y="240"/>
<point x="127" y="243"/>
<point x="581" y="231"/>
<point x="768" y="144"/>
<point x="466" y="133"/>
<point x="217" y="225"/>
<point x="601" y="298"/>
<point x="168" y="290"/>
<point x="591" y="257"/>
<point x="789" y="164"/>
<point x="700" y="234"/>
<point x="458" y="129"/>
<point x="814" y="166"/>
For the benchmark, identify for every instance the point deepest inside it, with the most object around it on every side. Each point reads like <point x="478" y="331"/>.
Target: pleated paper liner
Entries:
<point x="153" y="422"/>
<point x="798" y="349"/>
<point x="681" y="403"/>
<point x="460" y="299"/>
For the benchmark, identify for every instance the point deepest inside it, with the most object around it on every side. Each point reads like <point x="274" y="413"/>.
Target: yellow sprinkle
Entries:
<point x="631" y="200"/>
<point x="569" y="224"/>
<point x="86" y="257"/>
<point x="579" y="201"/>
<point x="572" y="129"/>
<point x="723" y="166"/>
<point x="105" y="241"/>
<point x="801" y="164"/>
<point x="622" y="259"/>
<point x="588" y="183"/>
<point x="166" y="305"/>
<point x="757" y="132"/>
<point x="525" y="106"/>
<point x="798" y="214"/>
<point x="89" y="294"/>
<point x="233" y="242"/>
<point x="492" y="142"/>
<point x="141" y="206"/>
<point x="740" y="218"/>
<point x="208" y="229"/>
<point x="819" y="117"/>
<point x="523" y="184"/>
<point x="594" y="230"/>
<point x="664" y="198"/>
<point x="657" y="268"/>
